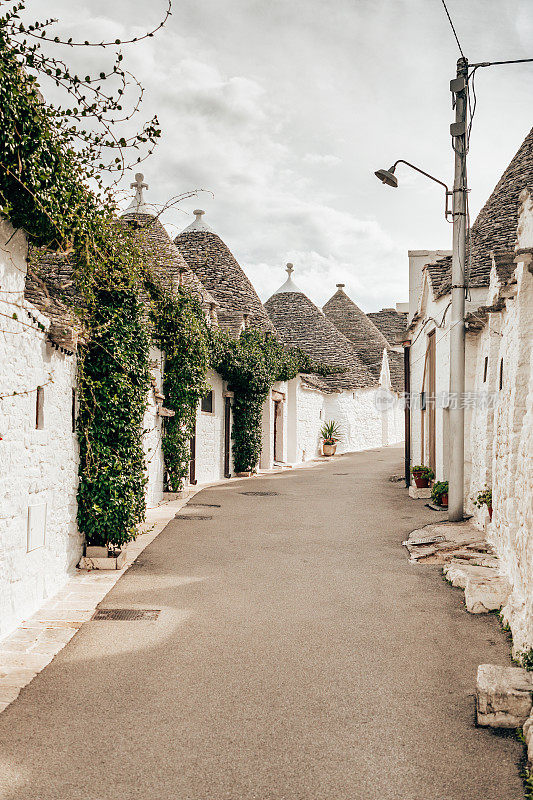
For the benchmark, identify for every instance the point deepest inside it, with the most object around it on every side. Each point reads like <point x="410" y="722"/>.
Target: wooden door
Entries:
<point x="430" y="402"/>
<point x="192" y="462"/>
<point x="227" y="437"/>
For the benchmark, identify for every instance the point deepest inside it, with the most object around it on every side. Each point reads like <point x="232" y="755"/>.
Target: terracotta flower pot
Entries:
<point x="490" y="512"/>
<point x="420" y="483"/>
<point x="329" y="449"/>
<point x="444" y="500"/>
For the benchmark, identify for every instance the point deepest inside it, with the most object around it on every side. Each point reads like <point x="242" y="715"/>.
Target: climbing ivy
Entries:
<point x="49" y="158"/>
<point x="181" y="331"/>
<point x="251" y="365"/>
<point x="113" y="381"/>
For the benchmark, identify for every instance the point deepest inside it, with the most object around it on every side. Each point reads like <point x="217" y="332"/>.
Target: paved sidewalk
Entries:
<point x="297" y="655"/>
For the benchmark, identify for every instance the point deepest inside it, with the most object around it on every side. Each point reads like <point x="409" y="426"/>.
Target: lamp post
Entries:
<point x="458" y="130"/>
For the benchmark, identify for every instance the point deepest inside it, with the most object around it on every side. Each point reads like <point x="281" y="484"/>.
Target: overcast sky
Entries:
<point x="283" y="109"/>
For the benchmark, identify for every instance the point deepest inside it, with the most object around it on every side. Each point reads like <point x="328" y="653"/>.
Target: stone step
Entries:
<point x="458" y="574"/>
<point x="486" y="594"/>
<point x="504" y="696"/>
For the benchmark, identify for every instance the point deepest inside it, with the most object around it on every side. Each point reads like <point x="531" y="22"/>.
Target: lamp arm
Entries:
<point x="449" y="194"/>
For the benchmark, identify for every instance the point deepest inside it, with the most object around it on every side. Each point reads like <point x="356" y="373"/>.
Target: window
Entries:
<point x="73" y="411"/>
<point x="501" y="373"/>
<point x="485" y="369"/>
<point x="39" y="409"/>
<point x="207" y="402"/>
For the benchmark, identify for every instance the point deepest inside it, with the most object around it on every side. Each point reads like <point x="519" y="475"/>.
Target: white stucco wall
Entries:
<point x="210" y="435"/>
<point x="155" y="465"/>
<point x="436" y="316"/>
<point x="39" y="467"/>
<point x="310" y="416"/>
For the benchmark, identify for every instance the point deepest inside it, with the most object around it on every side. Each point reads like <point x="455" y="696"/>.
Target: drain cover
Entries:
<point x="341" y="473"/>
<point x="126" y="614"/>
<point x="191" y="516"/>
<point x="202" y="505"/>
<point x="260" y="494"/>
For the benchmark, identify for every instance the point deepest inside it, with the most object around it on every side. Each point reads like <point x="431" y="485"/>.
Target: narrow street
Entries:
<point x="297" y="656"/>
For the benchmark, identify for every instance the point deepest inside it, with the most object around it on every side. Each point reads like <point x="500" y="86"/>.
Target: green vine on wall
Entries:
<point x="48" y="159"/>
<point x="251" y="365"/>
<point x="180" y="330"/>
<point x="113" y="381"/>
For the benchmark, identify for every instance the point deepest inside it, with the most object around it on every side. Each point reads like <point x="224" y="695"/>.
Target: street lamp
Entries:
<point x="388" y="177"/>
<point x="459" y="133"/>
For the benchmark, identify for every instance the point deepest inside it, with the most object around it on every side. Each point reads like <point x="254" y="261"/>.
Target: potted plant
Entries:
<point x="422" y="476"/>
<point x="439" y="493"/>
<point x="330" y="433"/>
<point x="484" y="498"/>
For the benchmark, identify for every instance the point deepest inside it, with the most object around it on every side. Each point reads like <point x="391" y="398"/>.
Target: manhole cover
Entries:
<point x="260" y="494"/>
<point x="126" y="614"/>
<point x="191" y="516"/>
<point x="202" y="505"/>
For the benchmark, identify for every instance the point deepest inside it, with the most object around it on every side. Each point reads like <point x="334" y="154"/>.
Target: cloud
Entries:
<point x="260" y="104"/>
<point x="316" y="158"/>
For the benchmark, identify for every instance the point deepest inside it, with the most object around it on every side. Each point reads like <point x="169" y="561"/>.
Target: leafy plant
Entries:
<point x="49" y="158"/>
<point x="330" y="432"/>
<point x="420" y="471"/>
<point x="484" y="498"/>
<point x="438" y="489"/>
<point x="526" y="659"/>
<point x="113" y="381"/>
<point x="181" y="331"/>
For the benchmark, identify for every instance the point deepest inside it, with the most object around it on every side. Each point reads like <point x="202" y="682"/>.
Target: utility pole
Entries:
<point x="458" y="130"/>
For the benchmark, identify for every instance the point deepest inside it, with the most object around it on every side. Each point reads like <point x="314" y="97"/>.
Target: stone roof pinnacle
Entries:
<point x="289" y="285"/>
<point x="198" y="224"/>
<point x="137" y="205"/>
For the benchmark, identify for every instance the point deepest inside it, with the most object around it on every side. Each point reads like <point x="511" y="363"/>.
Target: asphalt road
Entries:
<point x="297" y="656"/>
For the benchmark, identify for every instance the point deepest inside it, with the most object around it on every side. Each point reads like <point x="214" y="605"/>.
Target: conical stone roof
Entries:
<point x="495" y="227"/>
<point x="300" y="323"/>
<point x="367" y="341"/>
<point x="210" y="259"/>
<point x="163" y="257"/>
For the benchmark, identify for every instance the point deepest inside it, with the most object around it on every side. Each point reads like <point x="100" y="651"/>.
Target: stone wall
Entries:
<point x="512" y="463"/>
<point x="502" y="433"/>
<point x="39" y="541"/>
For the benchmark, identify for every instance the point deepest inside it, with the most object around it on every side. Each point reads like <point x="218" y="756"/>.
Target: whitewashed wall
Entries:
<point x="511" y="531"/>
<point x="311" y="416"/>
<point x="267" y="438"/>
<point x="39" y="467"/>
<point x="210" y="435"/>
<point x="438" y="311"/>
<point x="155" y="465"/>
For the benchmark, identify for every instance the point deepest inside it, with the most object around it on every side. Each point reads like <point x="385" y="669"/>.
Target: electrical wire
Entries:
<point x="453" y="29"/>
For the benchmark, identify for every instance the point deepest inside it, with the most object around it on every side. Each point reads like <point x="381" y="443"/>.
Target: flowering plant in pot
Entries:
<point x="422" y="476"/>
<point x="484" y="498"/>
<point x="330" y="433"/>
<point x="439" y="493"/>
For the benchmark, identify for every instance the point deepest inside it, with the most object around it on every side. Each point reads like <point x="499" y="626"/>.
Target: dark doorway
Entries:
<point x="278" y="429"/>
<point x="192" y="462"/>
<point x="227" y="436"/>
